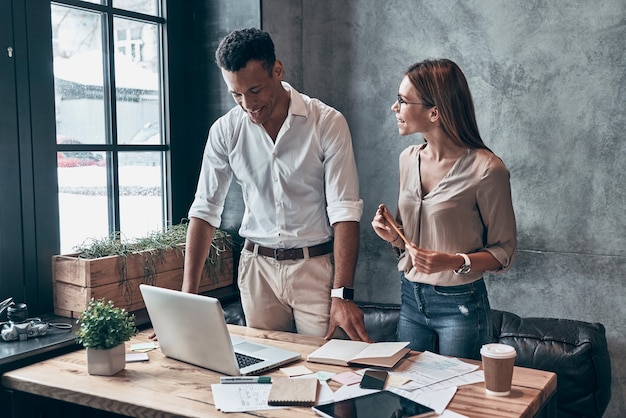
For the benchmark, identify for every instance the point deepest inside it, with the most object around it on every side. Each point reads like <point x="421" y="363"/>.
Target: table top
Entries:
<point x="167" y="387"/>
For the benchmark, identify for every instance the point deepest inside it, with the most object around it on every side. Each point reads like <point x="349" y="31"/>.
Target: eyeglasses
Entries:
<point x="401" y="101"/>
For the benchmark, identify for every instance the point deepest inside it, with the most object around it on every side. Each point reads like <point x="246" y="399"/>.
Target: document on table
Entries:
<point x="253" y="396"/>
<point x="429" y="368"/>
<point x="465" y="379"/>
<point x="241" y="397"/>
<point x="437" y="399"/>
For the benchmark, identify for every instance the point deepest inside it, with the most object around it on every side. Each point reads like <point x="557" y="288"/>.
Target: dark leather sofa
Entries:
<point x="576" y="351"/>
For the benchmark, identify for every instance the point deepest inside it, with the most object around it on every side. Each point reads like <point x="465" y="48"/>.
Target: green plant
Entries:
<point x="104" y="325"/>
<point x="171" y="237"/>
<point x="151" y="249"/>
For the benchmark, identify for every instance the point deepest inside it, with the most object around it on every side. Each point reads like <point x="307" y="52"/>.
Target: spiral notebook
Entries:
<point x="288" y="391"/>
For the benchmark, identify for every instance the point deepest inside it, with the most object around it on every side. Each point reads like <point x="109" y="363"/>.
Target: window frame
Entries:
<point x="111" y="146"/>
<point x="194" y="96"/>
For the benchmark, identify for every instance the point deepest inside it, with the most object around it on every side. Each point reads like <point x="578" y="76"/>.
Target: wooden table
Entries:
<point x="162" y="387"/>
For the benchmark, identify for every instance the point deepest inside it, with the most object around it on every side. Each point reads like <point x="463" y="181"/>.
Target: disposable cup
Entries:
<point x="498" y="362"/>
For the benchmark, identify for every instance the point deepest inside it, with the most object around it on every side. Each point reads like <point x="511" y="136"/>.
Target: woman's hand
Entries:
<point x="382" y="227"/>
<point x="427" y="261"/>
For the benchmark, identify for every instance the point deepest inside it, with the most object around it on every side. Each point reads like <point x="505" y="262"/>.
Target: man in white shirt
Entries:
<point x="292" y="156"/>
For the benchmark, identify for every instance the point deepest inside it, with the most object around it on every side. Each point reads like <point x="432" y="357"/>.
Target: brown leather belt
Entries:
<point x="291" y="253"/>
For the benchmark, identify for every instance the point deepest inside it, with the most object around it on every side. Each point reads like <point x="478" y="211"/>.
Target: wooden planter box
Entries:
<point x="77" y="280"/>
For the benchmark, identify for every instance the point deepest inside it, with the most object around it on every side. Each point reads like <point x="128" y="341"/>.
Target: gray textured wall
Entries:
<point x="549" y="84"/>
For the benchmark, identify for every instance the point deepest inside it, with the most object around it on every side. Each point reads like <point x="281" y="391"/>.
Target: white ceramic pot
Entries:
<point x="106" y="362"/>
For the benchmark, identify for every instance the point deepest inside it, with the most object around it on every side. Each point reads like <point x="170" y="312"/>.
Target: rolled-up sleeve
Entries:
<point x="340" y="172"/>
<point x="496" y="209"/>
<point x="214" y="180"/>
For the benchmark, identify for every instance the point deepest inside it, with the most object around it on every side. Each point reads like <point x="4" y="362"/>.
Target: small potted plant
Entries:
<point x="104" y="328"/>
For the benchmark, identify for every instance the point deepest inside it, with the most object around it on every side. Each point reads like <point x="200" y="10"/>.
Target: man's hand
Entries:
<point x="346" y="315"/>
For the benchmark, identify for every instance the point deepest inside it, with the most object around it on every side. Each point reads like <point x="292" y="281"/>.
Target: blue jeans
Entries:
<point x="450" y="320"/>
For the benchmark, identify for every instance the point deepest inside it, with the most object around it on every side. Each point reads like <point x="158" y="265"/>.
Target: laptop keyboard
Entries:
<point x="245" y="360"/>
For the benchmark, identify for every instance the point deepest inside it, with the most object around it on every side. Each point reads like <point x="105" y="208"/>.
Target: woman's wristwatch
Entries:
<point x="467" y="265"/>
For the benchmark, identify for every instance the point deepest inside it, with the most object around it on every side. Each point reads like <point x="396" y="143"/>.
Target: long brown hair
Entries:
<point x="441" y="83"/>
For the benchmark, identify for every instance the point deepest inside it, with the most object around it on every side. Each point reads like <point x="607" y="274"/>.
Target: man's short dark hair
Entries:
<point x="241" y="46"/>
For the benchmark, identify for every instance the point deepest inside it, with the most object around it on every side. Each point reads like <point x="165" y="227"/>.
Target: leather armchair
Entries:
<point x="576" y="351"/>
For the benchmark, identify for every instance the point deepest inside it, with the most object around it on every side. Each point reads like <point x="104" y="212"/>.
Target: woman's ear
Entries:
<point x="434" y="114"/>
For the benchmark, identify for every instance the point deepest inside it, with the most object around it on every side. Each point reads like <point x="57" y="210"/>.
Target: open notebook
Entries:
<point x="191" y="328"/>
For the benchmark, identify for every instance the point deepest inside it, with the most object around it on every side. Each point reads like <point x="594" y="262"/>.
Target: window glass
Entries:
<point x="78" y="75"/>
<point x="83" y="209"/>
<point x="137" y="80"/>
<point x="141" y="200"/>
<point x="149" y="7"/>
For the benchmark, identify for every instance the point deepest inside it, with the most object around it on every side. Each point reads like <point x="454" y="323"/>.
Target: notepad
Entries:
<point x="293" y="392"/>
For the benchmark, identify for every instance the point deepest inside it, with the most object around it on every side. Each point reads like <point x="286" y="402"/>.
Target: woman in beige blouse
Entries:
<point x="455" y="210"/>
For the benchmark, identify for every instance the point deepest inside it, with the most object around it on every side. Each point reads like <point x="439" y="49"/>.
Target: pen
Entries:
<point x="246" y="379"/>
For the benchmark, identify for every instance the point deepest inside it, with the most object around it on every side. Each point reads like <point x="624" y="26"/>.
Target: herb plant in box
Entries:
<point x="113" y="268"/>
<point x="103" y="330"/>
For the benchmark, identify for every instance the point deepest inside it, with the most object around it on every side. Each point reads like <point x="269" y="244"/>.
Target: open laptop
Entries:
<point x="191" y="328"/>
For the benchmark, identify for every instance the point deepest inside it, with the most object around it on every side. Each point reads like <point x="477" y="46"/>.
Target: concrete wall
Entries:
<point x="549" y="84"/>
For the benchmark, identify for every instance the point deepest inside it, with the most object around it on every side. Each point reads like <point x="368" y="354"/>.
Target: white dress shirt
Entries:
<point x="293" y="189"/>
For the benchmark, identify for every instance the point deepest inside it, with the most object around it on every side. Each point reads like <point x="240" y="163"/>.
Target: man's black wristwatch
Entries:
<point x="342" y="293"/>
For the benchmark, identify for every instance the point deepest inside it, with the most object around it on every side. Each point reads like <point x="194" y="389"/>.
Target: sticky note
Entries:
<point x="295" y="371"/>
<point x="323" y="376"/>
<point x="395" y="380"/>
<point x="347" y="378"/>
<point x="143" y="347"/>
<point x="133" y="357"/>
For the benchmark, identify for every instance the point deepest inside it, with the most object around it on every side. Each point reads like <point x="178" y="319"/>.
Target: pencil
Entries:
<point x="392" y="222"/>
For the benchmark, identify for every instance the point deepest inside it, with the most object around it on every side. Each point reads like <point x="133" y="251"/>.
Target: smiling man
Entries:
<point x="292" y="156"/>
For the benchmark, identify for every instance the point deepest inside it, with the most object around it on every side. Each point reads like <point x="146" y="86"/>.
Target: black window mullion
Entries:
<point x="164" y="101"/>
<point x="113" y="186"/>
<point x="112" y="10"/>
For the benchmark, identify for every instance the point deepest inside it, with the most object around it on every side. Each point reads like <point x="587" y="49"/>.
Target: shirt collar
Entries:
<point x="296" y="102"/>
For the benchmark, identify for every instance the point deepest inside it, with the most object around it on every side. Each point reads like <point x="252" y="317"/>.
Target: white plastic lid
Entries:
<point x="498" y="351"/>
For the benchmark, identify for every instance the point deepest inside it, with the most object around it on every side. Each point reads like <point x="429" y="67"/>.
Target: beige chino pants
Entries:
<point x="288" y="295"/>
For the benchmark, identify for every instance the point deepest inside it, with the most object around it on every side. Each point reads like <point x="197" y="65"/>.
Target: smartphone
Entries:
<point x="373" y="379"/>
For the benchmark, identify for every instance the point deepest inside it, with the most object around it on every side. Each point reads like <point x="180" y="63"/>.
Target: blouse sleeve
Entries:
<point x="496" y="209"/>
